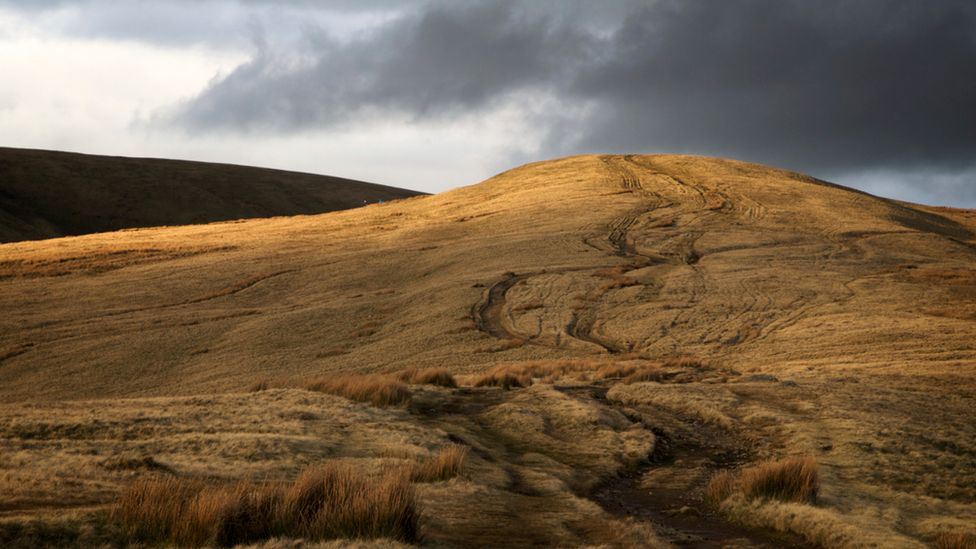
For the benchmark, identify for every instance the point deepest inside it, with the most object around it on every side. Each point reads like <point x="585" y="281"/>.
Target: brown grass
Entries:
<point x="505" y="380"/>
<point x="719" y="488"/>
<point x="615" y="371"/>
<point x="646" y="373"/>
<point x="790" y="479"/>
<point x="956" y="540"/>
<point x="428" y="376"/>
<point x="445" y="464"/>
<point x="378" y="390"/>
<point x="325" y="502"/>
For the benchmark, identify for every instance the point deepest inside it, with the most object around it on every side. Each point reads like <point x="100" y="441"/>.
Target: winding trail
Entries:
<point x="675" y="508"/>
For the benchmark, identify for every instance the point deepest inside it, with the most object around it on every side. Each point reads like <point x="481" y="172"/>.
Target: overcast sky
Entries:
<point x="877" y="94"/>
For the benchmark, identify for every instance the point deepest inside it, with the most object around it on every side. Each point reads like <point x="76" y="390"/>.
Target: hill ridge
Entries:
<point x="47" y="194"/>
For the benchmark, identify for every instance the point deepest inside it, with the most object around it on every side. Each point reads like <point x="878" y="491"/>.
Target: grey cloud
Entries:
<point x="842" y="90"/>
<point x="444" y="61"/>
<point x="829" y="87"/>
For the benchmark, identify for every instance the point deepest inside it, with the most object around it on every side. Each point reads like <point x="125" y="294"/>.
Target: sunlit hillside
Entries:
<point x="656" y="320"/>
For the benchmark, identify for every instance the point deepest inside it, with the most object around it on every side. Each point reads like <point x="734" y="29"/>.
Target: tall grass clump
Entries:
<point x="790" y="479"/>
<point x="378" y="390"/>
<point x="505" y="380"/>
<point x="956" y="540"/>
<point x="428" y="376"/>
<point x="331" y="501"/>
<point x="646" y="373"/>
<point x="445" y="464"/>
<point x="719" y="488"/>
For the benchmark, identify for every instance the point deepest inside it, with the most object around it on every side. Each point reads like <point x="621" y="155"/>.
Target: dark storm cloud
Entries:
<point x="825" y="87"/>
<point x="817" y="86"/>
<point x="835" y="88"/>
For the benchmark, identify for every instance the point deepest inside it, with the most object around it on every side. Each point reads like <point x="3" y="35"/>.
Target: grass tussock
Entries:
<point x="378" y="390"/>
<point x="956" y="540"/>
<point x="428" y="376"/>
<point x="505" y="380"/>
<point x="790" y="479"/>
<point x="325" y="502"/>
<point x="445" y="464"/>
<point x="647" y="373"/>
<point x="719" y="488"/>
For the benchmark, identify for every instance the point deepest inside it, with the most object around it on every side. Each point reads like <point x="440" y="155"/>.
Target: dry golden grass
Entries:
<point x="790" y="277"/>
<point x="505" y="380"/>
<point x="428" y="376"/>
<point x="790" y="479"/>
<point x="646" y="373"/>
<point x="447" y="463"/>
<point x="719" y="488"/>
<point x="614" y="371"/>
<point x="376" y="389"/>
<point x="956" y="540"/>
<point x="325" y="502"/>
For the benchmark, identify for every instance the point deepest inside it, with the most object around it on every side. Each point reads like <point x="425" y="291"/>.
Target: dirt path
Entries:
<point x="667" y="490"/>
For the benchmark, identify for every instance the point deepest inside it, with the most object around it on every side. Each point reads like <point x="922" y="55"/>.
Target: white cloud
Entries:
<point x="93" y="95"/>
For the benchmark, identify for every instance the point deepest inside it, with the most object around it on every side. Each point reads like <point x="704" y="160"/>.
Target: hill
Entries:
<point x="678" y="316"/>
<point x="47" y="194"/>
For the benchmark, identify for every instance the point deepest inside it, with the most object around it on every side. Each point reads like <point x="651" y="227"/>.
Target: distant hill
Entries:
<point x="47" y="194"/>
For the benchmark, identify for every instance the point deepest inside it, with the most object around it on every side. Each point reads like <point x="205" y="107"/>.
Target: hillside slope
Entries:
<point x="585" y="256"/>
<point x="773" y="315"/>
<point x="46" y="194"/>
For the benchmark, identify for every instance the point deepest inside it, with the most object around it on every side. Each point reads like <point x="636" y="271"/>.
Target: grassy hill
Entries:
<point x="47" y="194"/>
<point x="676" y="317"/>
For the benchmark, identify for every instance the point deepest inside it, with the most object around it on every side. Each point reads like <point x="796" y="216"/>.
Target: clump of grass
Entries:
<point x="683" y="361"/>
<point x="337" y="501"/>
<point x="428" y="376"/>
<point x="151" y="508"/>
<point x="646" y="373"/>
<point x="790" y="479"/>
<point x="719" y="488"/>
<point x="505" y="380"/>
<point x="378" y="390"/>
<point x="325" y="502"/>
<point x="445" y="464"/>
<point x="956" y="540"/>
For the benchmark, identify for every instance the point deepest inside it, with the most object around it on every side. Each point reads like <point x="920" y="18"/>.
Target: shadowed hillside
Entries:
<point x="46" y="194"/>
<point x="618" y="326"/>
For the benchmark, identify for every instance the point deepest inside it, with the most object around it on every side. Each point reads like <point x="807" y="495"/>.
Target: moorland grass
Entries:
<point x="375" y="389"/>
<point x="428" y="376"/>
<point x="445" y="464"/>
<point x="330" y="501"/>
<point x="793" y="479"/>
